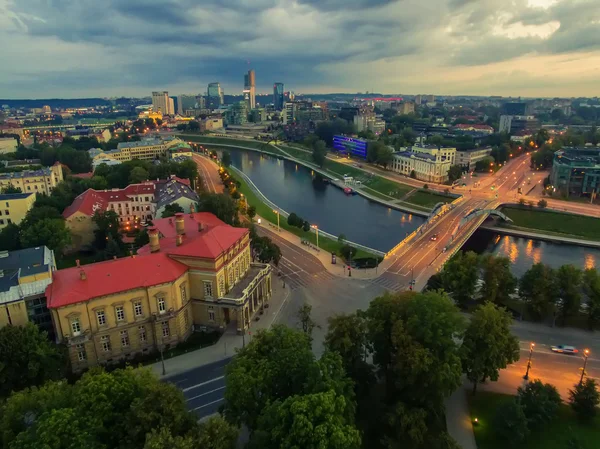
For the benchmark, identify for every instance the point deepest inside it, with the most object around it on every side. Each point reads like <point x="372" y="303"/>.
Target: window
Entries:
<point x="137" y="308"/>
<point x="81" y="355"/>
<point x="183" y="294"/>
<point x="101" y="317"/>
<point x="162" y="306"/>
<point x="211" y="313"/>
<point x="124" y="339"/>
<point x="75" y="327"/>
<point x="8" y="220"/>
<point x="120" y="313"/>
<point x="1" y="222"/>
<point x="105" y="343"/>
<point x="165" y="329"/>
<point x="222" y="285"/>
<point x="142" y="334"/>
<point x="208" y="289"/>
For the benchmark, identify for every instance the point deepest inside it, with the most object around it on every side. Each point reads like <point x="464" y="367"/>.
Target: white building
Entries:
<point x="468" y="158"/>
<point x="8" y="145"/>
<point x="505" y="123"/>
<point x="429" y="163"/>
<point x="162" y="103"/>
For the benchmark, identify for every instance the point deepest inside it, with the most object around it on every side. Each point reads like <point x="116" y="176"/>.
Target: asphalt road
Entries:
<point x="209" y="172"/>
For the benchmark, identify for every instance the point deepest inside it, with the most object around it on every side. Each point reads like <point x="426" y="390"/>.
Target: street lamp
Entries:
<point x="531" y="346"/>
<point x="277" y="213"/>
<point x="586" y="354"/>
<point x="316" y="228"/>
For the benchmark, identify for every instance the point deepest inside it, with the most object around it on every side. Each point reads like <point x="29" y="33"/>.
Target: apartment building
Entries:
<point x="427" y="163"/>
<point x="14" y="207"/>
<point x="34" y="181"/>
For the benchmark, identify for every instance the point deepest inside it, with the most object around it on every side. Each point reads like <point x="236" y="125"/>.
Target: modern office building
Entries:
<point x="468" y="158"/>
<point x="237" y="114"/>
<point x="513" y="124"/>
<point x="250" y="89"/>
<point x="429" y="163"/>
<point x="349" y="145"/>
<point x="161" y="102"/>
<point x="185" y="103"/>
<point x="14" y="207"/>
<point x="37" y="181"/>
<point x="215" y="96"/>
<point x="516" y="108"/>
<point x="576" y="171"/>
<point x="25" y="275"/>
<point x="278" y="98"/>
<point x="196" y="271"/>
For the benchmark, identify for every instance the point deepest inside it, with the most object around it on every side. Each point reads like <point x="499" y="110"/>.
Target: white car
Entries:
<point x="564" y="349"/>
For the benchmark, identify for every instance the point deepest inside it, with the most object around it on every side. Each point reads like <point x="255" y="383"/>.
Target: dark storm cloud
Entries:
<point x="329" y="5"/>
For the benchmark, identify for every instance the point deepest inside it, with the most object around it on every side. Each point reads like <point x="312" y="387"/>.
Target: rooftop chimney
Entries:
<point x="77" y="263"/>
<point x="82" y="275"/>
<point x="179" y="239"/>
<point x="154" y="241"/>
<point x="179" y="223"/>
<point x="200" y="226"/>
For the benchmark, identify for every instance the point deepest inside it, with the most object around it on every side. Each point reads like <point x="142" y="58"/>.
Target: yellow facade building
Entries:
<point x="34" y="181"/>
<point x="196" y="271"/>
<point x="147" y="149"/>
<point x="24" y="276"/>
<point x="14" y="207"/>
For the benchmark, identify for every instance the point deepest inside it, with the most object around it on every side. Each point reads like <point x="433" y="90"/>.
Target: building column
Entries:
<point x="240" y="319"/>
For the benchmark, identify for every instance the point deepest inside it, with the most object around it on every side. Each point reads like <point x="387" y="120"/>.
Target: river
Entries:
<point x="295" y="188"/>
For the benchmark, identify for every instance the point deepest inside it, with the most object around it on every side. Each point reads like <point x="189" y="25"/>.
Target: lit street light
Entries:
<point x="586" y="354"/>
<point x="316" y="228"/>
<point x="277" y="213"/>
<point x="531" y="346"/>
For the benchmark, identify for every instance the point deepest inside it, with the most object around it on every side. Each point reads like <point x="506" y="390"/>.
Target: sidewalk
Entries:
<point x="458" y="418"/>
<point x="229" y="341"/>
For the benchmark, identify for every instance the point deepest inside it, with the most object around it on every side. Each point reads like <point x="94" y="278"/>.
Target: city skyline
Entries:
<point x="537" y="48"/>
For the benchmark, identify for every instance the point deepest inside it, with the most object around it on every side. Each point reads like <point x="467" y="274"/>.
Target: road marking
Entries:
<point x="210" y="403"/>
<point x="203" y="383"/>
<point x="204" y="394"/>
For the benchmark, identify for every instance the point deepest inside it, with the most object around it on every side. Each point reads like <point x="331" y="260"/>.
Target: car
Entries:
<point x="434" y="237"/>
<point x="564" y="349"/>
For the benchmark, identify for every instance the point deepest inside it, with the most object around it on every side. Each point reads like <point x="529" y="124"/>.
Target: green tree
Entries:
<point x="107" y="228"/>
<point x="540" y="402"/>
<point x="11" y="189"/>
<point x="251" y="212"/>
<point x="385" y="155"/>
<point x="276" y="365"/>
<point x="459" y="276"/>
<point x="9" y="237"/>
<point x="591" y="289"/>
<point x="454" y="173"/>
<point x="373" y="150"/>
<point x="319" y="153"/>
<point x="413" y="174"/>
<point x="568" y="282"/>
<point x="138" y="175"/>
<point x="40" y="213"/>
<point x="266" y="250"/>
<point x="223" y="206"/>
<point x="27" y="358"/>
<point x="47" y="232"/>
<point x="341" y="238"/>
<point x="542" y="204"/>
<point x="498" y="281"/>
<point x="171" y="210"/>
<point x="217" y="433"/>
<point x="511" y="422"/>
<point x="226" y="159"/>
<point x="488" y="345"/>
<point x="584" y="399"/>
<point x="163" y="439"/>
<point x="537" y="288"/>
<point x="306" y="321"/>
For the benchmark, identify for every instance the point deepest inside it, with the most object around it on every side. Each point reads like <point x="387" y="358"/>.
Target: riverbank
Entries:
<point x="551" y="225"/>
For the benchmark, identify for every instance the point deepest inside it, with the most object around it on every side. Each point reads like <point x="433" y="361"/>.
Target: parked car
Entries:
<point x="564" y="349"/>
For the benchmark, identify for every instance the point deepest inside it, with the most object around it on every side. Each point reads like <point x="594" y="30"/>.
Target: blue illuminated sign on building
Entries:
<point x="355" y="147"/>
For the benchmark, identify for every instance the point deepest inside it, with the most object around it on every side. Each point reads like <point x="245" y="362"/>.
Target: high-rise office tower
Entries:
<point x="215" y="96"/>
<point x="162" y="103"/>
<point x="250" y="89"/>
<point x="278" y="96"/>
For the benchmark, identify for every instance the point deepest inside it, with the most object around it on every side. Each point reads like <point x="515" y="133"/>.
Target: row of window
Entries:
<point x="138" y="312"/>
<point x="105" y="343"/>
<point x="8" y="221"/>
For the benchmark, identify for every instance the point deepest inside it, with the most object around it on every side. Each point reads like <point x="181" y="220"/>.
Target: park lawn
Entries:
<point x="554" y="436"/>
<point x="556" y="222"/>
<point x="428" y="199"/>
<point x="264" y="211"/>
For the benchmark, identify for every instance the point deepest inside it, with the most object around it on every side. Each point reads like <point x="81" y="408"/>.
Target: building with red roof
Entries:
<point x="196" y="270"/>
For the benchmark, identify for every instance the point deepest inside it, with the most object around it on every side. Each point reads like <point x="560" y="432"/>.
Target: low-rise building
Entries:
<point x="34" y="181"/>
<point x="468" y="158"/>
<point x="24" y="276"/>
<point x="175" y="191"/>
<point x="196" y="271"/>
<point x="8" y="145"/>
<point x="474" y="128"/>
<point x="514" y="124"/>
<point x="426" y="163"/>
<point x="211" y="124"/>
<point x="146" y="149"/>
<point x="14" y="207"/>
<point x="576" y="171"/>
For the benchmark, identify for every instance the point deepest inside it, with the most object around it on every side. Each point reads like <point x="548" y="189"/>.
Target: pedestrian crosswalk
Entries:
<point x="299" y="279"/>
<point x="395" y="283"/>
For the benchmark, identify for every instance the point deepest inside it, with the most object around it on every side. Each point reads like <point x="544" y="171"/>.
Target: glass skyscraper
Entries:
<point x="278" y="96"/>
<point x="215" y="96"/>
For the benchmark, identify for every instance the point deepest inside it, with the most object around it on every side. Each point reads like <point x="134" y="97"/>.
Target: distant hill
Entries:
<point x="58" y="103"/>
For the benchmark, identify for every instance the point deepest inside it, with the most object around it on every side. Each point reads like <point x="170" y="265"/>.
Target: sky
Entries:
<point x="107" y="48"/>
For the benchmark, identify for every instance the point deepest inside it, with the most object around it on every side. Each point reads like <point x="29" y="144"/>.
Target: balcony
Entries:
<point x="82" y="337"/>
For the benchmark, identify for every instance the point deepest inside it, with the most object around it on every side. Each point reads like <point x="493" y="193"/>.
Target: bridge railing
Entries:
<point x="286" y="214"/>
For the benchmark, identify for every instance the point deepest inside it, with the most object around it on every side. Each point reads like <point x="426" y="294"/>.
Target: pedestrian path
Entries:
<point x="458" y="419"/>
<point x="389" y="283"/>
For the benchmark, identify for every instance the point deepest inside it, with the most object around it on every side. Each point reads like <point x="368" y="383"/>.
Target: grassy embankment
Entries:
<point x="326" y="244"/>
<point x="554" y="436"/>
<point x="553" y="223"/>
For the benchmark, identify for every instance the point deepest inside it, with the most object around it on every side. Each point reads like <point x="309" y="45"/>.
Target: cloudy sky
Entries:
<point x="74" y="48"/>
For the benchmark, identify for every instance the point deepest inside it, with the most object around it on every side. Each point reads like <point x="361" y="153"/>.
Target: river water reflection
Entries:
<point x="294" y="188"/>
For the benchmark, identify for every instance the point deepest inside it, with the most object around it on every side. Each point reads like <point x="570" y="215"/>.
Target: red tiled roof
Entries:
<point x="110" y="277"/>
<point x="166" y="226"/>
<point x="87" y="203"/>
<point x="173" y="178"/>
